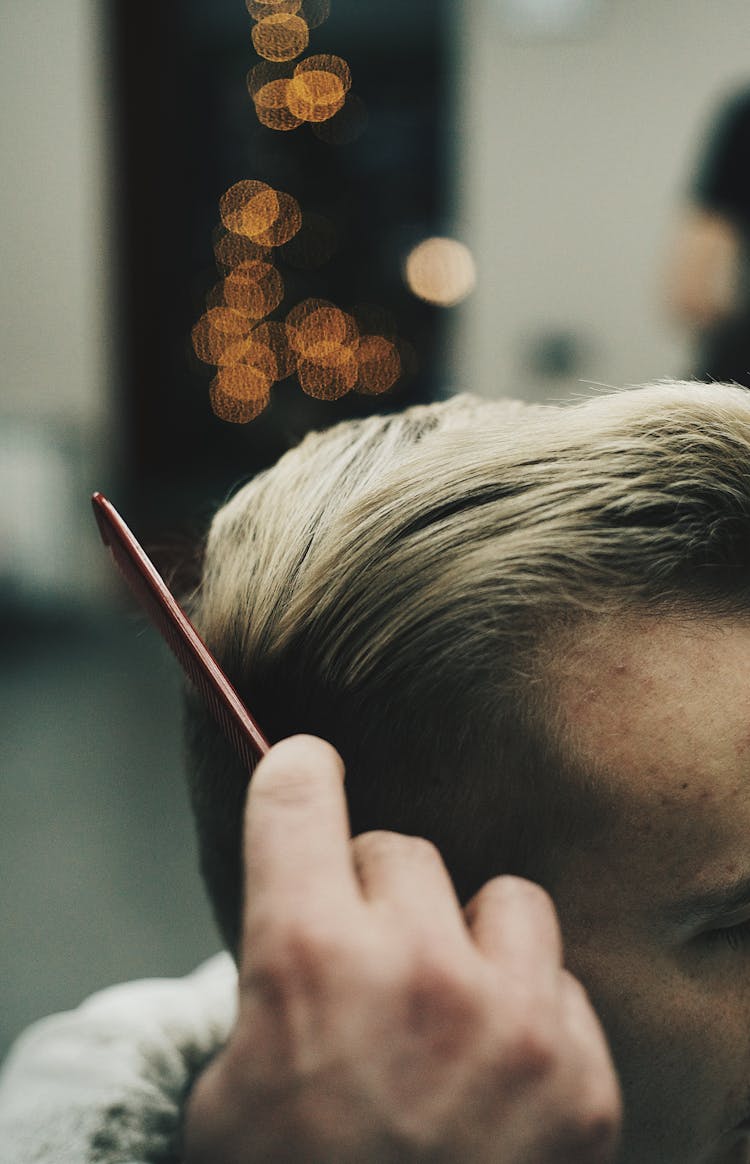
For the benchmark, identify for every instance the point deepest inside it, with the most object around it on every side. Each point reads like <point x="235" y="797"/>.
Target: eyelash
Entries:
<point x="735" y="936"/>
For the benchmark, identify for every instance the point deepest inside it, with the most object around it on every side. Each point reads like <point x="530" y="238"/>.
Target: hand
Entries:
<point x="379" y="1023"/>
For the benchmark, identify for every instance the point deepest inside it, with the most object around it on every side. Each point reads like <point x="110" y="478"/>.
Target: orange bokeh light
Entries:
<point x="272" y="106"/>
<point x="226" y="321"/>
<point x="243" y="381"/>
<point x="280" y="37"/>
<point x="267" y="217"/>
<point x="315" y="91"/>
<point x="255" y="288"/>
<point x="315" y="95"/>
<point x="326" y="381"/>
<point x="249" y="208"/>
<point x="226" y="337"/>
<point x="264" y="73"/>
<point x="379" y="364"/>
<point x="287" y="223"/>
<point x="231" y="250"/>
<point x="218" y="334"/>
<point x="326" y="63"/>
<point x="259" y="9"/>
<point x="239" y="394"/>
<point x="325" y="340"/>
<point x="272" y="336"/>
<point x="251" y="353"/>
<point x="318" y="330"/>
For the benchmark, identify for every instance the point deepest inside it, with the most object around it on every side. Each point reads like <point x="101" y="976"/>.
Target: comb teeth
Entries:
<point x="180" y="635"/>
<point x="217" y="707"/>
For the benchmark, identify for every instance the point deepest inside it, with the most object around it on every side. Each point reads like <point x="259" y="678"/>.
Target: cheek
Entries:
<point x="674" y="1041"/>
<point x="657" y="1012"/>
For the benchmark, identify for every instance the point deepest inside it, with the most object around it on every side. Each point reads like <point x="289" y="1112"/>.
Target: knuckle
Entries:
<point x="377" y="842"/>
<point x="381" y="843"/>
<point x="530" y="892"/>
<point x="441" y="1004"/>
<point x="590" y="1127"/>
<point x="506" y="890"/>
<point x="601" y="1117"/>
<point x="529" y="1054"/>
<point x="590" y="1138"/>
<point x="424" y="850"/>
<point x="294" y="958"/>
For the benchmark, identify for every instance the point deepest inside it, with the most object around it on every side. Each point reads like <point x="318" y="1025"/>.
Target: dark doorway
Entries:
<point x="186" y="132"/>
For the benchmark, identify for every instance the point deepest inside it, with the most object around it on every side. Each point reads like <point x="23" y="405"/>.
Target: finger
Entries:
<point x="584" y="1031"/>
<point x="297" y="856"/>
<point x="514" y="923"/>
<point x="409" y="875"/>
<point x="595" y="1089"/>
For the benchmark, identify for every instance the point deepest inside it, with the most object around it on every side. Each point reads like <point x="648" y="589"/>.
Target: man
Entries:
<point x="525" y="632"/>
<point x="708" y="275"/>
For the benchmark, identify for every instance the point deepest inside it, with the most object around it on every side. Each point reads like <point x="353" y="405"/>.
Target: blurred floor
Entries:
<point x="97" y="856"/>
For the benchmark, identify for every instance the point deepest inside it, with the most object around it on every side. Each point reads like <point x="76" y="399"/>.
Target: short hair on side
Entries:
<point x="396" y="585"/>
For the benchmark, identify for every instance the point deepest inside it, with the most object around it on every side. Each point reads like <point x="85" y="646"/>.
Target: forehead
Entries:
<point x="659" y="710"/>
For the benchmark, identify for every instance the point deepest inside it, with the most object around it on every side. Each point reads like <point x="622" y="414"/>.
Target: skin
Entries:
<point x="661" y="711"/>
<point x="702" y="273"/>
<point x="378" y="1023"/>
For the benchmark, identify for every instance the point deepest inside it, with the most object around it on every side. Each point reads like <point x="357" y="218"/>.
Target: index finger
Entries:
<point x="514" y="923"/>
<point x="298" y="861"/>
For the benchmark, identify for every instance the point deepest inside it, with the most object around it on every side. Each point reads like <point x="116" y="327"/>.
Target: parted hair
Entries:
<point x="400" y="585"/>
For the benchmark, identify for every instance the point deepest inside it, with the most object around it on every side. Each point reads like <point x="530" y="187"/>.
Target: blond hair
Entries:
<point x="397" y="584"/>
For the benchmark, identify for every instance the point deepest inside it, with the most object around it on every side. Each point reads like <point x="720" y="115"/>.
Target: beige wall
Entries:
<point x="572" y="156"/>
<point x="55" y="298"/>
<point x="54" y="285"/>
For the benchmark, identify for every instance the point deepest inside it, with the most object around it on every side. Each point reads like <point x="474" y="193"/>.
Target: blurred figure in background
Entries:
<point x="708" y="281"/>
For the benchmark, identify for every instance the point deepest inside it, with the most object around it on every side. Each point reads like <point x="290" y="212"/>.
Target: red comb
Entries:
<point x="180" y="635"/>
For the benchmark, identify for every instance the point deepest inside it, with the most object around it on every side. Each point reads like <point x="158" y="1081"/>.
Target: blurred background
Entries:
<point x="571" y="146"/>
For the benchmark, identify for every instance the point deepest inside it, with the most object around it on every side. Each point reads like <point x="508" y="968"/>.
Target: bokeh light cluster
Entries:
<point x="314" y="90"/>
<point x="331" y="351"/>
<point x="264" y="216"/>
<point x="322" y="344"/>
<point x="288" y="92"/>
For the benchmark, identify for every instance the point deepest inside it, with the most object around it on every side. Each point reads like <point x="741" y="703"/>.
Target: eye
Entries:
<point x="735" y="936"/>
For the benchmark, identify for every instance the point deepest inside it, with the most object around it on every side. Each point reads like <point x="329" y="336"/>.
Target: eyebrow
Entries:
<point x="710" y="903"/>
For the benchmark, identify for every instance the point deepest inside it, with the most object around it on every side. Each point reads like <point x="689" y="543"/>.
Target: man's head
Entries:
<point x="507" y="620"/>
<point x="655" y="912"/>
